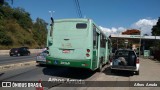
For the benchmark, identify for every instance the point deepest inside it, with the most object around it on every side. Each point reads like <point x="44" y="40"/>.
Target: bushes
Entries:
<point x="17" y="29"/>
<point x="157" y="55"/>
<point x="5" y="39"/>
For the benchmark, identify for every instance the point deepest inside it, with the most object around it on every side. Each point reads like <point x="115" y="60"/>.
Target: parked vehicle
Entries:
<point x="22" y="51"/>
<point x="78" y="43"/>
<point x="125" y="60"/>
<point x="41" y="57"/>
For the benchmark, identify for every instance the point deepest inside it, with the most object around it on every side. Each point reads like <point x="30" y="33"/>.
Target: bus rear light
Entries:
<point x="88" y="50"/>
<point x="87" y="55"/>
<point x="110" y="59"/>
<point x="84" y="64"/>
<point x="137" y="61"/>
<point x="47" y="61"/>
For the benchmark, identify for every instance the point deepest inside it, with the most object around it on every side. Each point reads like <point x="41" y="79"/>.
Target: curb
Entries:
<point x="16" y="65"/>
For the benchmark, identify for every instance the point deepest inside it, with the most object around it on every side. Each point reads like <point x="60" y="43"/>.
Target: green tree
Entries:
<point x="40" y="31"/>
<point x="156" y="43"/>
<point x="156" y="29"/>
<point x="6" y="12"/>
<point x="17" y="28"/>
<point x="1" y="2"/>
<point x="23" y="18"/>
<point x="5" y="39"/>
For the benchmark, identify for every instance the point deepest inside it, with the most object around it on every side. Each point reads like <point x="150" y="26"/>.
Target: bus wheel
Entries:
<point x="100" y="68"/>
<point x="112" y="71"/>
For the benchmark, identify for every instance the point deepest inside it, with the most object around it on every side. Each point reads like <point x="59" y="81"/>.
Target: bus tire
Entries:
<point x="100" y="65"/>
<point x="100" y="68"/>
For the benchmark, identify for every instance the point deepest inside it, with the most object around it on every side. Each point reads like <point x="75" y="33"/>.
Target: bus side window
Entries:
<point x="94" y="38"/>
<point x="103" y="41"/>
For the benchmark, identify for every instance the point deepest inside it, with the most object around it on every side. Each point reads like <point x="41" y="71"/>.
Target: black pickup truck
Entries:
<point x="125" y="60"/>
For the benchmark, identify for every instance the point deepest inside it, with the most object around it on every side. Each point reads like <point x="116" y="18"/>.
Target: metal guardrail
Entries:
<point x="6" y="52"/>
<point x="16" y="65"/>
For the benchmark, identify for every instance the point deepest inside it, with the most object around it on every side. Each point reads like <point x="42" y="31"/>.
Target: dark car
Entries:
<point x="125" y="60"/>
<point x="41" y="57"/>
<point x="22" y="51"/>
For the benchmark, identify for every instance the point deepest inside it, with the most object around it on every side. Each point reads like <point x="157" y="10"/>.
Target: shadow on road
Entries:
<point x="65" y="72"/>
<point x="41" y="65"/>
<point x="157" y="61"/>
<point x="107" y="71"/>
<point x="1" y="74"/>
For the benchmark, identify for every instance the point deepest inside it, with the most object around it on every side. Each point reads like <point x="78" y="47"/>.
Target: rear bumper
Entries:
<point x="41" y="62"/>
<point x="126" y="68"/>
<point x="69" y="62"/>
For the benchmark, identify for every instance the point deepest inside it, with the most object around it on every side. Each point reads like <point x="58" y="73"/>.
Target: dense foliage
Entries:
<point x="17" y="29"/>
<point x="156" y="32"/>
<point x="156" y="29"/>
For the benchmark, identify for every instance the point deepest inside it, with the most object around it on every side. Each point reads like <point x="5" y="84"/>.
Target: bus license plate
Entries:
<point x="66" y="51"/>
<point x="55" y="62"/>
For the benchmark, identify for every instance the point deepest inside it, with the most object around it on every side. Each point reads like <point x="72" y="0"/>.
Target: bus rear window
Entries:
<point x="81" y="25"/>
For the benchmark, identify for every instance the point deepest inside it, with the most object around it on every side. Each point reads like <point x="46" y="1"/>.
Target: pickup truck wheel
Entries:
<point x="112" y="71"/>
<point x="137" y="72"/>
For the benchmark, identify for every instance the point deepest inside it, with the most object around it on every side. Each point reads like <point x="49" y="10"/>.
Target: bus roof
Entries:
<point x="80" y="19"/>
<point x="72" y="19"/>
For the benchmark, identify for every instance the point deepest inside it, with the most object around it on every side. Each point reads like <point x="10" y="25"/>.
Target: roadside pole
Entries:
<point x="140" y="44"/>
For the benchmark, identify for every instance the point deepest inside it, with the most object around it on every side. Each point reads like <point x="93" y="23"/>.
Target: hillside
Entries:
<point x="17" y="29"/>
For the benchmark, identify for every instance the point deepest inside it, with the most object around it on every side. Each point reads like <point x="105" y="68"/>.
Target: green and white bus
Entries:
<point x="77" y="43"/>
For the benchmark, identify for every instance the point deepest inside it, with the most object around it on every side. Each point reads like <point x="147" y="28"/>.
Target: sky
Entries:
<point x="112" y="16"/>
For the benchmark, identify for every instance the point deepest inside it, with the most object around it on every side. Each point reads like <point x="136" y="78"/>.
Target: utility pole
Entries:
<point x="52" y="22"/>
<point x="140" y="44"/>
<point x="117" y="43"/>
<point x="51" y="12"/>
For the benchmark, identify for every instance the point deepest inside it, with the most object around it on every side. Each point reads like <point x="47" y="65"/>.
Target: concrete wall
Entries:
<point x="6" y="52"/>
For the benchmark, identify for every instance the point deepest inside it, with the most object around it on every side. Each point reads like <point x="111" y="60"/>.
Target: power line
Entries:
<point x="78" y="8"/>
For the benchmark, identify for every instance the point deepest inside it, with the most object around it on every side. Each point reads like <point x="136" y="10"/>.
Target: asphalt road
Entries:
<point x="149" y="71"/>
<point x="6" y="59"/>
<point x="36" y="73"/>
